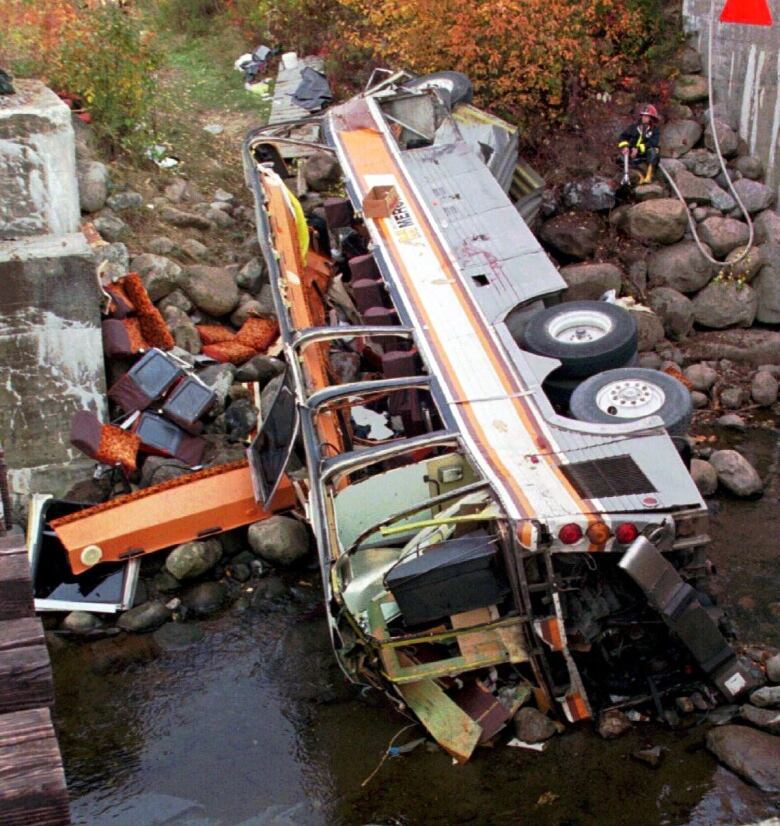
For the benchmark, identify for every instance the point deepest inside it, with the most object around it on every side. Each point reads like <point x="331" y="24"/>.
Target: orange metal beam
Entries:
<point x="190" y="507"/>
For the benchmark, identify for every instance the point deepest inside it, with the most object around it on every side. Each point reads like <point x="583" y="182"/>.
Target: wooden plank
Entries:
<point x="449" y="725"/>
<point x="32" y="781"/>
<point x="12" y="541"/>
<point x="25" y="678"/>
<point x="16" y="599"/>
<point x="20" y="633"/>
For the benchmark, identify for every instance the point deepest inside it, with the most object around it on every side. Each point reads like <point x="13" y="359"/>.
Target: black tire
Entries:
<point x="591" y="401"/>
<point x="455" y="86"/>
<point x="559" y="387"/>
<point x="608" y="336"/>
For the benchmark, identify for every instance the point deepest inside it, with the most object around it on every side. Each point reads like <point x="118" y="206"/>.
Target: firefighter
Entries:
<point x="640" y="142"/>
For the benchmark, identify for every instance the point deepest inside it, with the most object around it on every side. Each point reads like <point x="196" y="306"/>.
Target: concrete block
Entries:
<point x="37" y="164"/>
<point x="51" y="353"/>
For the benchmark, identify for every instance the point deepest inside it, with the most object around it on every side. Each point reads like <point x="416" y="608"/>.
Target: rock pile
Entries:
<point x="752" y="750"/>
<point x="645" y="247"/>
<point x="196" y="293"/>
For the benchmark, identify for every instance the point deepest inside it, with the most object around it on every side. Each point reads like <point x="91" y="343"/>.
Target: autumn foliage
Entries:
<point x="526" y="58"/>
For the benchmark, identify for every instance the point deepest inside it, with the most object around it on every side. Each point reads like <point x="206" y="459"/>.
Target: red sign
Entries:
<point x="747" y="12"/>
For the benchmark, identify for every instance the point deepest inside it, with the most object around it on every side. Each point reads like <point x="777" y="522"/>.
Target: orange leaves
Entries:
<point x="523" y="56"/>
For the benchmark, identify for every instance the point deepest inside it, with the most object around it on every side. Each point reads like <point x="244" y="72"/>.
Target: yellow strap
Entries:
<point x="300" y="223"/>
<point x="622" y="144"/>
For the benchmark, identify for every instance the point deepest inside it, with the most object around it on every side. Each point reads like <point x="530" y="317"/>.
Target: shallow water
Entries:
<point x="252" y="725"/>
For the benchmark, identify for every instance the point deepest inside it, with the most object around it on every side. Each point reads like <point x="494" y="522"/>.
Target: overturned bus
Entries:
<point x="500" y="500"/>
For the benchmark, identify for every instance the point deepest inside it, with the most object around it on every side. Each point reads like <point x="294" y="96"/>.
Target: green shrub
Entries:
<point x="104" y="58"/>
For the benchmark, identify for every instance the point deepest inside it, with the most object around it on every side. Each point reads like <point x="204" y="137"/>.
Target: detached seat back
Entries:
<point x="149" y="379"/>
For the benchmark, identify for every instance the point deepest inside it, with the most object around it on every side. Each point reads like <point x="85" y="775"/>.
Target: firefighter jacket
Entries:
<point x="640" y="136"/>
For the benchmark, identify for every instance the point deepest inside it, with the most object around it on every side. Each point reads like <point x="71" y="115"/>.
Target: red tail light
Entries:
<point x="626" y="533"/>
<point x="570" y="534"/>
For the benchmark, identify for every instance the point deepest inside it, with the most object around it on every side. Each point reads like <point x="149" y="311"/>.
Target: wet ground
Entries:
<point x="251" y="724"/>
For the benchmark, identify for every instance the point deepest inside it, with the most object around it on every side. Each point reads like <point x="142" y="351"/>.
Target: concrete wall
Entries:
<point x="51" y="350"/>
<point x="746" y="77"/>
<point x="38" y="189"/>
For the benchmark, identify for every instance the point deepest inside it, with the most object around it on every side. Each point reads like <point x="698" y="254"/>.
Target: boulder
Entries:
<point x="211" y="289"/>
<point x="114" y="259"/>
<point x="194" y="249"/>
<point x="764" y="388"/>
<point x="688" y="60"/>
<point x="751" y="346"/>
<point x="219" y="218"/>
<point x="749" y="265"/>
<point x="702" y="162"/>
<point x="185" y="333"/>
<point x="240" y="419"/>
<point x="767" y="285"/>
<point x="661" y="221"/>
<point x="732" y="398"/>
<point x="81" y="622"/>
<point x="699" y="400"/>
<point x="260" y="369"/>
<point x="649" y="192"/>
<point x="674" y="310"/>
<point x="157" y="469"/>
<point x="218" y="377"/>
<point x="766" y="697"/>
<point x="145" y="617"/>
<point x="205" y="598"/>
<point x="750" y="166"/>
<point x="159" y="274"/>
<point x="753" y="755"/>
<point x="175" y="299"/>
<point x="179" y="218"/>
<point x="679" y="137"/>
<point x="92" y="177"/>
<point x="128" y="199"/>
<point x="692" y="188"/>
<point x="722" y="235"/>
<point x="593" y="194"/>
<point x="180" y="190"/>
<point x="727" y="138"/>
<point x="322" y="171"/>
<point x="161" y="245"/>
<point x="110" y="226"/>
<point x="767" y="227"/>
<point x="701" y="377"/>
<point x="279" y="540"/>
<point x="764" y="718"/>
<point x="755" y="196"/>
<point x="724" y="304"/>
<point x="572" y="234"/>
<point x="252" y="275"/>
<point x="731" y="421"/>
<point x="680" y="266"/>
<point x="773" y="668"/>
<point x="193" y="559"/>
<point x="705" y="476"/>
<point x="531" y="726"/>
<point x="590" y="281"/>
<point x="613" y="723"/>
<point x="649" y="328"/>
<point x="247" y="309"/>
<point x="690" y="88"/>
<point x="736" y="474"/>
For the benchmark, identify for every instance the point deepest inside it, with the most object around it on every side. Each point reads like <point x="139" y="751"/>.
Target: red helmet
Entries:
<point x="650" y="111"/>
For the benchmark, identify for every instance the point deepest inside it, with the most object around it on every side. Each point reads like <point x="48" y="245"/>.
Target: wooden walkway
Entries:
<point x="32" y="780"/>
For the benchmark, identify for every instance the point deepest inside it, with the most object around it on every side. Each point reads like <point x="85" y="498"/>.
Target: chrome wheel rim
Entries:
<point x="579" y="326"/>
<point x="630" y="398"/>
